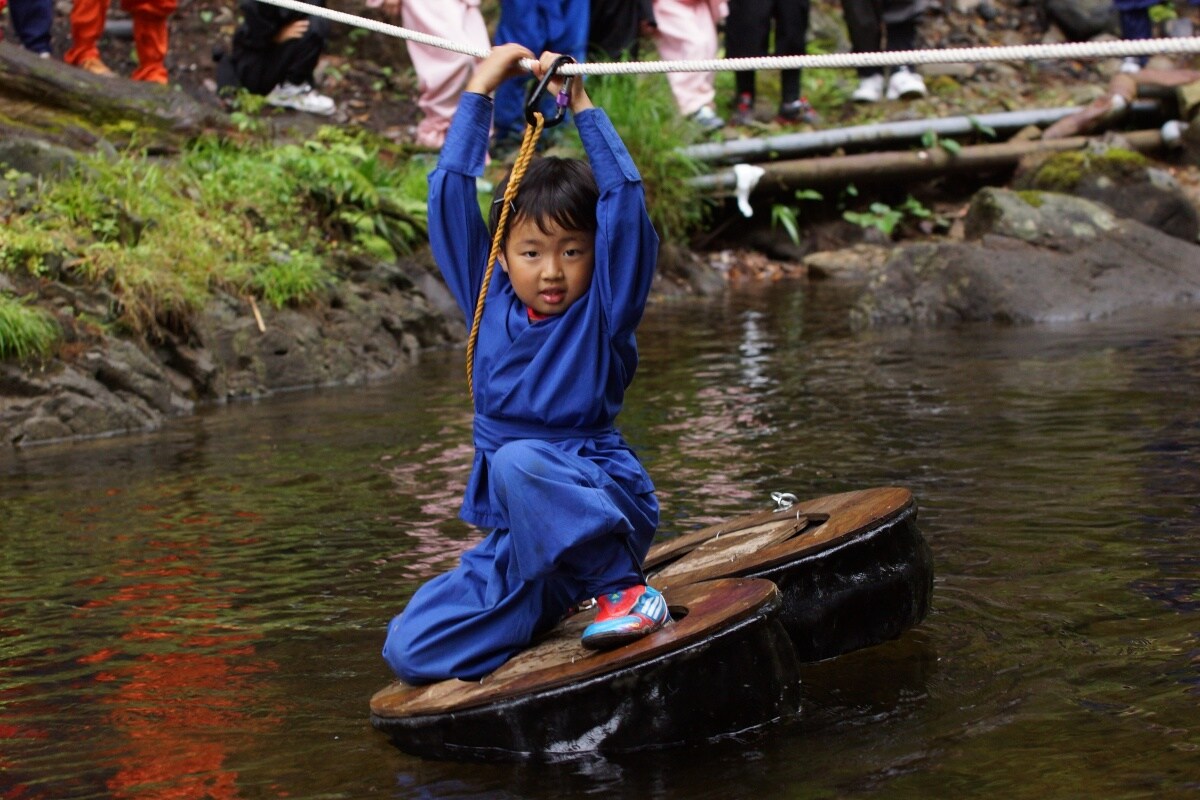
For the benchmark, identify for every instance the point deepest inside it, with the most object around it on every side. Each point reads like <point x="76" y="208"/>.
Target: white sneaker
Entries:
<point x="707" y="119"/>
<point x="870" y="90"/>
<point x="301" y="97"/>
<point x="905" y="84"/>
<point x="1130" y="65"/>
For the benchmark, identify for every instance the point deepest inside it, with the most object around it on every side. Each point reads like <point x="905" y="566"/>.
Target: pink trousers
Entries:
<point x="687" y="30"/>
<point x="442" y="74"/>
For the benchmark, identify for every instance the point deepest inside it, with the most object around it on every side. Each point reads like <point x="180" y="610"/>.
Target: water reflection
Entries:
<point x="198" y="612"/>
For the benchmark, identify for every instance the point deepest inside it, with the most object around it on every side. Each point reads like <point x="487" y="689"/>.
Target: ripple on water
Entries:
<point x="198" y="612"/>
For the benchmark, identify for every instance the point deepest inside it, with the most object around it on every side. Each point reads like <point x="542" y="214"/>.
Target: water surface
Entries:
<point x="198" y="612"/>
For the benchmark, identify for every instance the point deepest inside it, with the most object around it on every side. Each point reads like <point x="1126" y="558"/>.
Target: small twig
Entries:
<point x="262" y="328"/>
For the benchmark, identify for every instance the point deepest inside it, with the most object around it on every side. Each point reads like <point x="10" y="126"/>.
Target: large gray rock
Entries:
<point x="374" y="326"/>
<point x="115" y="388"/>
<point x="1033" y="257"/>
<point x="36" y="157"/>
<point x="1125" y="181"/>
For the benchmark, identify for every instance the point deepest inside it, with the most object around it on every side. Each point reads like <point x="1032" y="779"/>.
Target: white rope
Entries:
<point x="1119" y="48"/>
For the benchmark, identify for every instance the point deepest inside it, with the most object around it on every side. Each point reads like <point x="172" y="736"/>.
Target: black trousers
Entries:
<point x="260" y="71"/>
<point x="748" y="34"/>
<point x="613" y="27"/>
<point x="867" y="21"/>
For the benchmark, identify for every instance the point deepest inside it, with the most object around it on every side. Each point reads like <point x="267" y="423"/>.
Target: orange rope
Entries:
<point x="524" y="156"/>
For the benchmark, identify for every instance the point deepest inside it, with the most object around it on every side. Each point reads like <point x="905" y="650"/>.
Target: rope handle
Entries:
<point x="524" y="156"/>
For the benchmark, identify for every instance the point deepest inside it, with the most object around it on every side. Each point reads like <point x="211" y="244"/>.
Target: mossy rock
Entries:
<point x="1123" y="180"/>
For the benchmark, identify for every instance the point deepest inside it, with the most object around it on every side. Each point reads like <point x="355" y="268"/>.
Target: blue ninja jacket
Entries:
<point x="562" y="379"/>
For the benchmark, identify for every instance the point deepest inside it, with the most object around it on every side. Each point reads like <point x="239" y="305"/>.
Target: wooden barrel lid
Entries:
<point x="699" y="611"/>
<point x="750" y="544"/>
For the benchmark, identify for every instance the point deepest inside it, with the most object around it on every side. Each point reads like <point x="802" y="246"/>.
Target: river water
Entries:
<point x="198" y="612"/>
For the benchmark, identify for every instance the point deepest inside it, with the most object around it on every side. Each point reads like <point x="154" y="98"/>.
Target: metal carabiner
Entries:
<point x="561" y="102"/>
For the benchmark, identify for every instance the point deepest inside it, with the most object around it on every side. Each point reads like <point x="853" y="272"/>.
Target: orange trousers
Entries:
<point x="149" y="33"/>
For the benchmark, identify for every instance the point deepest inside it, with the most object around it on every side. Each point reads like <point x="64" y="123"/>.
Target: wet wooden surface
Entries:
<point x="700" y="611"/>
<point x="755" y="542"/>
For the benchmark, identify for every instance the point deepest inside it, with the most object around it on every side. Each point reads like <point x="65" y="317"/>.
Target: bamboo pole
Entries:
<point x="890" y="166"/>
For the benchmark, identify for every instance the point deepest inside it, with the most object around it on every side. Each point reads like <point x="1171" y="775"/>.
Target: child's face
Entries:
<point x="549" y="270"/>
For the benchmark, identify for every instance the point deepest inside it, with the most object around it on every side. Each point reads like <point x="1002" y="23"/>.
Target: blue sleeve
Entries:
<point x="458" y="234"/>
<point x="626" y="244"/>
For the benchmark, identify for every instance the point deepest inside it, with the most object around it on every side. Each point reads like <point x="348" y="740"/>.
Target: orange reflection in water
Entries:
<point x="185" y="675"/>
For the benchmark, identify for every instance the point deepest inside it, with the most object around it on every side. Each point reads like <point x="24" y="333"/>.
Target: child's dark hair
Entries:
<point x="558" y="190"/>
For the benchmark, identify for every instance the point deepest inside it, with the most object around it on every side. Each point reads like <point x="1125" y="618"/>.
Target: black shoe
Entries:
<point x="796" y="112"/>
<point x="743" y="110"/>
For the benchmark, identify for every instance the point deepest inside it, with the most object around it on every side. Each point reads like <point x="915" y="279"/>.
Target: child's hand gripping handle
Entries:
<point x="560" y="102"/>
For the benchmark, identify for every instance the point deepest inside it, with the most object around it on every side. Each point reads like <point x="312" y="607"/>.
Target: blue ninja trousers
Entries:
<point x="573" y="533"/>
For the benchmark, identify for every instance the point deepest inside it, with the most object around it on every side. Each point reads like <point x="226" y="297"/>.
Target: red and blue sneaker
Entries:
<point x="625" y="616"/>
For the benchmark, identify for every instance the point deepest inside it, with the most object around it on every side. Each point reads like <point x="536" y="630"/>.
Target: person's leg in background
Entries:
<point x="31" y="19"/>
<point x="87" y="23"/>
<point x="150" y="37"/>
<point x="864" y="24"/>
<point x="522" y="22"/>
<point x="747" y="34"/>
<point x="791" y="39"/>
<point x="687" y="31"/>
<point x="900" y="19"/>
<point x="442" y="74"/>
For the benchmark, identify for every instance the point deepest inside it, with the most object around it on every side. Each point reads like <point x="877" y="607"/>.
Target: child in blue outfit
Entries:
<point x="571" y="508"/>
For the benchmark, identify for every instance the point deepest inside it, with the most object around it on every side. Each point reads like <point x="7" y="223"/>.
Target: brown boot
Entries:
<point x="96" y="67"/>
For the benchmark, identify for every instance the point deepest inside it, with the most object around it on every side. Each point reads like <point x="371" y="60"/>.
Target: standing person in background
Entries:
<point x="31" y="20"/>
<point x="1134" y="16"/>
<point x="875" y="25"/>
<point x="747" y="34"/>
<point x="149" y="36"/>
<point x="686" y="30"/>
<point x="441" y="74"/>
<point x="538" y="25"/>
<point x="275" y="53"/>
<point x="614" y="27"/>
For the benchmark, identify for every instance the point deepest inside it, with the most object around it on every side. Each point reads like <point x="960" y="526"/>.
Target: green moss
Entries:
<point x="1062" y="172"/>
<point x="1032" y="197"/>
<point x="1118" y="157"/>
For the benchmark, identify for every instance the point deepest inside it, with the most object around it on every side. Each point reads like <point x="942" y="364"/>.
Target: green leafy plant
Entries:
<point x="788" y="216"/>
<point x="930" y="140"/>
<point x="160" y="237"/>
<point x="885" y="218"/>
<point x="1162" y="12"/>
<point x="25" y="331"/>
<point x="291" y="277"/>
<point x="986" y="130"/>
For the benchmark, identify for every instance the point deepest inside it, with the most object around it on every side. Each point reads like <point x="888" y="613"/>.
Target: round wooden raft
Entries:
<point x="756" y="542"/>
<point x="698" y="610"/>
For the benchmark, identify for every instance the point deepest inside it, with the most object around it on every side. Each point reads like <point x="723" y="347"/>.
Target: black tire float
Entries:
<point x="751" y="600"/>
